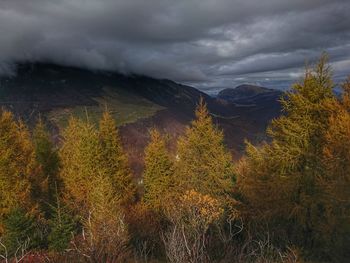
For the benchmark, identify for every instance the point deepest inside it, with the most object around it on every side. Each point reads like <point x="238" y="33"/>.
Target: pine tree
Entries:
<point x="47" y="158"/>
<point x="114" y="159"/>
<point x="17" y="165"/>
<point x="204" y="164"/>
<point x="158" y="173"/>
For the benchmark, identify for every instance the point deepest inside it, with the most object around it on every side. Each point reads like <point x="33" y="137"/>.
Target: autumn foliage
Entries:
<point x="286" y="200"/>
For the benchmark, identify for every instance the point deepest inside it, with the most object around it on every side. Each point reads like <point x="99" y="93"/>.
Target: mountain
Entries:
<point x="46" y="88"/>
<point x="246" y="94"/>
<point x="138" y="103"/>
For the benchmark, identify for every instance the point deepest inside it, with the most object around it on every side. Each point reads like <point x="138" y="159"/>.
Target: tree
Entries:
<point x="80" y="157"/>
<point x="281" y="181"/>
<point x="204" y="164"/>
<point x="114" y="160"/>
<point x="21" y="229"/>
<point x="158" y="173"/>
<point x="336" y="182"/>
<point x="62" y="227"/>
<point x="17" y="165"/>
<point x="48" y="161"/>
<point x="95" y="187"/>
<point x="105" y="237"/>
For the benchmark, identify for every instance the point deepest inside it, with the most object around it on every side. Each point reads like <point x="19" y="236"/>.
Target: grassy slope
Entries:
<point x="125" y="107"/>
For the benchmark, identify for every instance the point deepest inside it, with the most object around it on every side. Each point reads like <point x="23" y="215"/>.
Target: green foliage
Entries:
<point x="159" y="170"/>
<point x="21" y="231"/>
<point x="204" y="163"/>
<point x="62" y="228"/>
<point x="48" y="161"/>
<point x="124" y="106"/>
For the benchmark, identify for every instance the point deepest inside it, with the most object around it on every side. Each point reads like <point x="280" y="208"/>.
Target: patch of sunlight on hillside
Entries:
<point x="124" y="106"/>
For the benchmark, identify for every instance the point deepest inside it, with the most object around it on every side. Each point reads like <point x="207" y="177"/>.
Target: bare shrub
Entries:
<point x="104" y="239"/>
<point x="190" y="217"/>
<point x="19" y="255"/>
<point x="144" y="225"/>
<point x="260" y="251"/>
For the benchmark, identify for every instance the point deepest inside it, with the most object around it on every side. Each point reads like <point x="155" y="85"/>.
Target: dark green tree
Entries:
<point x="47" y="158"/>
<point x="21" y="231"/>
<point x="62" y="228"/>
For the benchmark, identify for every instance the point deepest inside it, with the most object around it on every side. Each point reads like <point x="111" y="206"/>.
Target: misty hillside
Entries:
<point x="188" y="131"/>
<point x="136" y="102"/>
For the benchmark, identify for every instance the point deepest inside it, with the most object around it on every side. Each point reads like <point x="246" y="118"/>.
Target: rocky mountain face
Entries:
<point x="138" y="103"/>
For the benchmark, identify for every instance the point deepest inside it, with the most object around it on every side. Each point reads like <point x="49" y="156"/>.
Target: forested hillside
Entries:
<point x="137" y="103"/>
<point x="76" y="200"/>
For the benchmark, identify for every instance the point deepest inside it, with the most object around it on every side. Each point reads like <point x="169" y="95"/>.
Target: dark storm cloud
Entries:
<point x="208" y="43"/>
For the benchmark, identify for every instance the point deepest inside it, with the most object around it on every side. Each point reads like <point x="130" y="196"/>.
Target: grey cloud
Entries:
<point x="211" y="44"/>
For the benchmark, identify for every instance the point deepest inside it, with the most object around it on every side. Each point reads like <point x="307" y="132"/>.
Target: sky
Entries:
<point x="209" y="44"/>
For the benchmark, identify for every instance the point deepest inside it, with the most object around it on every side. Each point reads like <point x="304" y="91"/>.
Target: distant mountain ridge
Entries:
<point x="247" y="92"/>
<point x="43" y="86"/>
<point x="138" y="103"/>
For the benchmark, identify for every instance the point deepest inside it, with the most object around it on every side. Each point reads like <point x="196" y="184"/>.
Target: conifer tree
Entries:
<point x="93" y="188"/>
<point x="336" y="182"/>
<point x="80" y="157"/>
<point x="281" y="180"/>
<point x="204" y="164"/>
<point x="62" y="227"/>
<point x="17" y="165"/>
<point x="106" y="235"/>
<point x="158" y="171"/>
<point x="47" y="158"/>
<point x="114" y="159"/>
<point x="21" y="230"/>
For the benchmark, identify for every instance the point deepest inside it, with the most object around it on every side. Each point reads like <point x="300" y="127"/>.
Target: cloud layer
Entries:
<point x="211" y="44"/>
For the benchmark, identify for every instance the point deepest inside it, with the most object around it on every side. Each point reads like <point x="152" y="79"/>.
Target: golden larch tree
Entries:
<point x="80" y="157"/>
<point x="114" y="159"/>
<point x="17" y="165"/>
<point x="203" y="162"/>
<point x="158" y="174"/>
<point x="280" y="181"/>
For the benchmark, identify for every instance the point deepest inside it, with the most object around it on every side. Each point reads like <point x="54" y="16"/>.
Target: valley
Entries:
<point x="137" y="103"/>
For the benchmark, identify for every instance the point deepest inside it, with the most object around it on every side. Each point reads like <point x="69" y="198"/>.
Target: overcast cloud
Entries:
<point x="211" y="44"/>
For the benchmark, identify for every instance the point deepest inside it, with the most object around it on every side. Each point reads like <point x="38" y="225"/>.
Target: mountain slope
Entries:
<point x="246" y="94"/>
<point x="138" y="103"/>
<point x="44" y="87"/>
